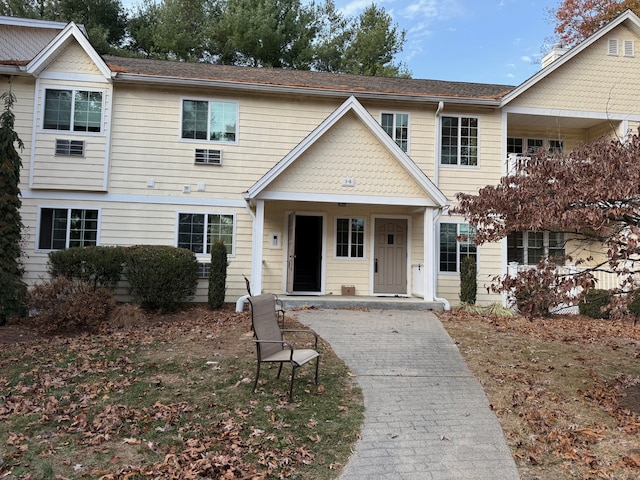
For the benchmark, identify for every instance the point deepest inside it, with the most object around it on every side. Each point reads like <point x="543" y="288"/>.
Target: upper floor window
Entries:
<point x="61" y="228"/>
<point x="452" y="250"/>
<point x="397" y="127"/>
<point x="459" y="141"/>
<point x="198" y="231"/>
<point x="350" y="238"/>
<point x="528" y="248"/>
<point x="210" y="120"/>
<point x="72" y="110"/>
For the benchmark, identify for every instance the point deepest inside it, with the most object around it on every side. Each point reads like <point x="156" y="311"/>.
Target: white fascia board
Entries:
<point x="351" y="104"/>
<point x="626" y="16"/>
<point x="555" y="112"/>
<point x="349" y="199"/>
<point x="40" y="61"/>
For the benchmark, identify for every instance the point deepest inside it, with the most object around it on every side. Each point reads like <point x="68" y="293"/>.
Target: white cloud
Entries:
<point x="354" y="7"/>
<point x="526" y="58"/>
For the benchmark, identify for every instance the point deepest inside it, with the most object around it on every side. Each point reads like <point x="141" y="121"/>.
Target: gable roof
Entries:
<point x="627" y="16"/>
<point x="204" y="74"/>
<point x="350" y="105"/>
<point x="70" y="33"/>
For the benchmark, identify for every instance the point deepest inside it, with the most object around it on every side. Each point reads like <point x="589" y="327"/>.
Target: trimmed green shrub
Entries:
<point x="217" y="275"/>
<point x="62" y="304"/>
<point x="97" y="266"/>
<point x="634" y="304"/>
<point x="161" y="277"/>
<point x="595" y="304"/>
<point x="468" y="281"/>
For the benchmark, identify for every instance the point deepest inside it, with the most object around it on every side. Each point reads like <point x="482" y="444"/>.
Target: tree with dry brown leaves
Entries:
<point x="592" y="195"/>
<point x="576" y="20"/>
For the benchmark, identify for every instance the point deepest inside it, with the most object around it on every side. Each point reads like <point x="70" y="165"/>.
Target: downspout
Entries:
<point x="436" y="152"/>
<point x="240" y="302"/>
<point x="437" y="213"/>
<point x="444" y="301"/>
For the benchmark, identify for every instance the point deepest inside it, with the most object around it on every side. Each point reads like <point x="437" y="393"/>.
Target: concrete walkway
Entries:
<point x="426" y="416"/>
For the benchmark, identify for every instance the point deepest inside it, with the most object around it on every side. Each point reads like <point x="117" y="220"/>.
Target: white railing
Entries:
<point x="515" y="163"/>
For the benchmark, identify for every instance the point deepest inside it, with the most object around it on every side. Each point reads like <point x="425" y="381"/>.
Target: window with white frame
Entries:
<point x="397" y="127"/>
<point x="61" y="228"/>
<point x="456" y="243"/>
<point x="72" y="110"/>
<point x="459" y="141"/>
<point x="211" y="120"/>
<point x="528" y="248"/>
<point x="198" y="231"/>
<point x="350" y="238"/>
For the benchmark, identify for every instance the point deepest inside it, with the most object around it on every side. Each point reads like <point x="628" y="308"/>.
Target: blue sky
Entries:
<point x="484" y="41"/>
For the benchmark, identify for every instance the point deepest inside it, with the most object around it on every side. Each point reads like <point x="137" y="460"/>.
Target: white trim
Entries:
<point x="73" y="77"/>
<point x="257" y="231"/>
<point x="350" y="105"/>
<point x="572" y="114"/>
<point x="395" y="113"/>
<point x="457" y="222"/>
<point x="32" y="23"/>
<point x="613" y="47"/>
<point x="73" y="90"/>
<point x="335" y="238"/>
<point x="208" y="100"/>
<point x="372" y="234"/>
<point x="342" y="198"/>
<point x="523" y="87"/>
<point x="68" y="207"/>
<point x="123" y="198"/>
<point x="49" y="53"/>
<point x="204" y="254"/>
<point x="323" y="252"/>
<point x="459" y="147"/>
<point x="34" y="133"/>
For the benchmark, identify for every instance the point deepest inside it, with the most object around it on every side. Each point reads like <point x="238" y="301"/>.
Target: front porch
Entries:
<point x="291" y="302"/>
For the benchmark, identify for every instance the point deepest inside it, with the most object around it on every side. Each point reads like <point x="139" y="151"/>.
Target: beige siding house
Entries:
<point x="314" y="181"/>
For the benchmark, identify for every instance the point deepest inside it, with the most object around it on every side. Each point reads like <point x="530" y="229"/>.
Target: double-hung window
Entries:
<point x="213" y="120"/>
<point x="350" y="238"/>
<point x="61" y="228"/>
<point x="397" y="127"/>
<point x="453" y="248"/>
<point x="198" y="231"/>
<point x="459" y="141"/>
<point x="72" y="110"/>
<point x="528" y="248"/>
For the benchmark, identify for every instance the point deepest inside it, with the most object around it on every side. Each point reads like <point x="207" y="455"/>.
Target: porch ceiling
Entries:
<point x="556" y="121"/>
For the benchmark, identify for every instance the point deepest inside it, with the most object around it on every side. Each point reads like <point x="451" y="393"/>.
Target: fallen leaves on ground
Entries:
<point x="560" y="387"/>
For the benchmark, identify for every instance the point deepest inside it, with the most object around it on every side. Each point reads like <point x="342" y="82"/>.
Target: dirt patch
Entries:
<point x="630" y="399"/>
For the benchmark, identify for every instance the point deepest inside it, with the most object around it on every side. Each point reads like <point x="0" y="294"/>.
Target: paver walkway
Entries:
<point x="426" y="416"/>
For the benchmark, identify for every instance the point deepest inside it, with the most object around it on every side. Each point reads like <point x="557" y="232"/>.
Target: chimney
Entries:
<point x="556" y="52"/>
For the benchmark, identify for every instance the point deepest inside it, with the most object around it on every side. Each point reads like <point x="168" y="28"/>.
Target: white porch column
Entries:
<point x="256" y="249"/>
<point x="429" y="255"/>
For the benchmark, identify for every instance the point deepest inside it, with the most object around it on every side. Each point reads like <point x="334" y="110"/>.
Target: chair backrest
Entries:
<point x="265" y="323"/>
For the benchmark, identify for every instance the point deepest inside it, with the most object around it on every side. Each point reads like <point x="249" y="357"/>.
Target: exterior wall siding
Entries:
<point x="606" y="83"/>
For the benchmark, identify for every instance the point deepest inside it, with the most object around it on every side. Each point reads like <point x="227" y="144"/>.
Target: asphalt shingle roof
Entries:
<point x="306" y="79"/>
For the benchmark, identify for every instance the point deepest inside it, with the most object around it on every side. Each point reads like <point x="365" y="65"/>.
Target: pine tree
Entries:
<point x="12" y="288"/>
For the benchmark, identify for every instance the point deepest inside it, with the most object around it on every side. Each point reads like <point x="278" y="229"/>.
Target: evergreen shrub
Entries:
<point x="161" y="277"/>
<point x="595" y="304"/>
<point x="217" y="275"/>
<point x="468" y="281"/>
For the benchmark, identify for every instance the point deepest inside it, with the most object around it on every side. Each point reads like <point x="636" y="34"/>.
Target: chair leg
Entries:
<point x="255" y="384"/>
<point x="317" y="365"/>
<point x="293" y="373"/>
<point x="280" y="370"/>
